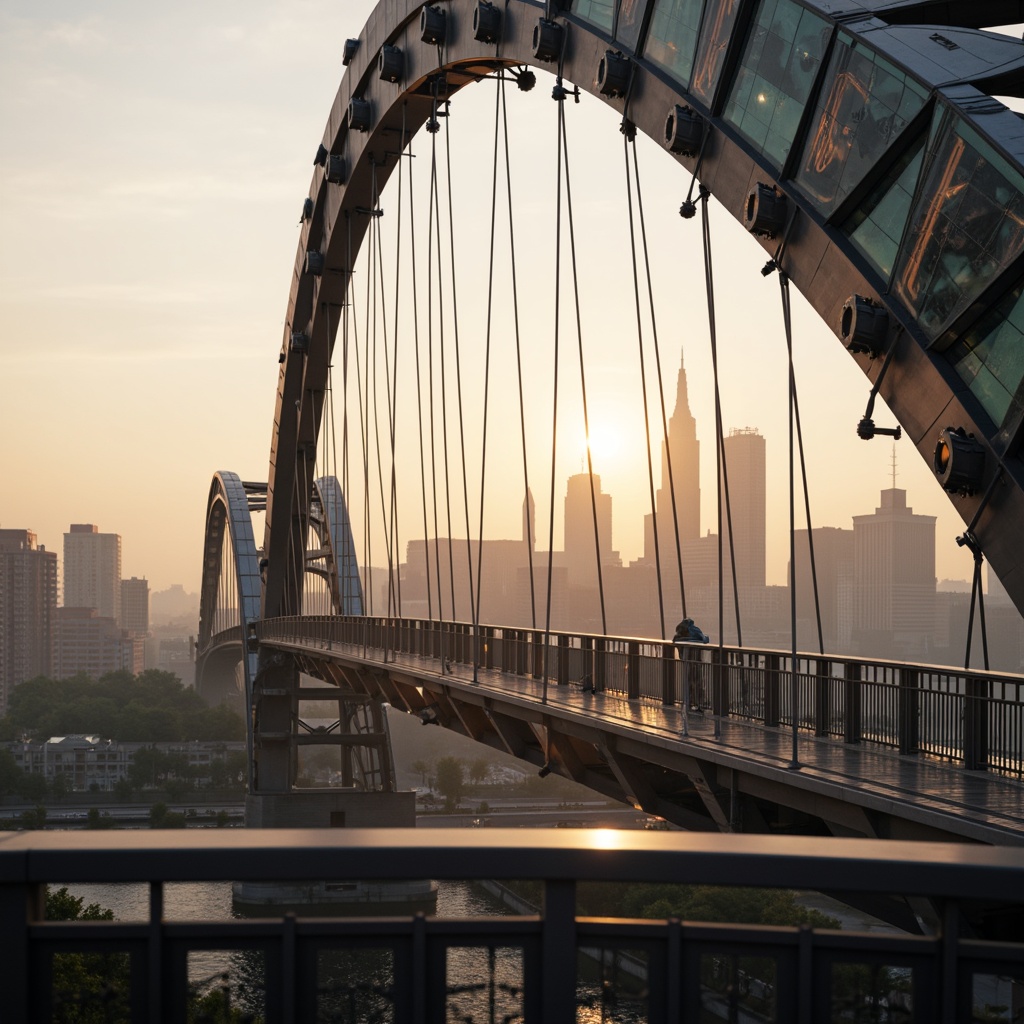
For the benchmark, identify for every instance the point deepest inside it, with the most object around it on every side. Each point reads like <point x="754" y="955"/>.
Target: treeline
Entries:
<point x="151" y="707"/>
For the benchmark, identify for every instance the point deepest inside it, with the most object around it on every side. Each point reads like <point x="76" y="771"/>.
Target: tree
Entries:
<point x="421" y="768"/>
<point x="450" y="781"/>
<point x="478" y="769"/>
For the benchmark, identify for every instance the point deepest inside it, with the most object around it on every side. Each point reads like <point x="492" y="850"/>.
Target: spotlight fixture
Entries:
<point x="390" y="63"/>
<point x="864" y="326"/>
<point x="547" y="40"/>
<point x="299" y="340"/>
<point x="359" y="114"/>
<point x="684" y="131"/>
<point x="612" y="74"/>
<point x="959" y="461"/>
<point x="336" y="169"/>
<point x="307" y="208"/>
<point x="321" y="156"/>
<point x="545" y="771"/>
<point x="432" y="25"/>
<point x="486" y="22"/>
<point x="351" y="45"/>
<point x="765" y="212"/>
<point x="314" y="262"/>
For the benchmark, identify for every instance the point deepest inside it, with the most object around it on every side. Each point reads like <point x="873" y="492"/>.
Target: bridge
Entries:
<point x="865" y="153"/>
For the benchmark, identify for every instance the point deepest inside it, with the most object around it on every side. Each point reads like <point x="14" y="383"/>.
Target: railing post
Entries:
<point x="600" y="664"/>
<point x="558" y="951"/>
<point x="822" y="697"/>
<point x="668" y="674"/>
<point x="908" y="700"/>
<point x="976" y="694"/>
<point x="851" y="674"/>
<point x="538" y="654"/>
<point x="633" y="671"/>
<point x="488" y="640"/>
<point x="21" y="903"/>
<point x="772" y="690"/>
<point x="718" y="704"/>
<point x="563" y="659"/>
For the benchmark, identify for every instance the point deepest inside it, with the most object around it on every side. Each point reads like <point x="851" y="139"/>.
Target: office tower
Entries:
<point x="682" y="450"/>
<point x="745" y="466"/>
<point x="530" y="521"/>
<point x="833" y="567"/>
<point x="893" y="579"/>
<point x="94" y="644"/>
<point x="28" y="605"/>
<point x="581" y="544"/>
<point x="135" y="605"/>
<point x="92" y="570"/>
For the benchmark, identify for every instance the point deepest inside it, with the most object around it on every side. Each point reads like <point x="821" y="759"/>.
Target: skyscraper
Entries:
<point x="28" y="607"/>
<point x="893" y="579"/>
<point x="680" y="475"/>
<point x="92" y="570"/>
<point x="135" y="605"/>
<point x="745" y="466"/>
<point x="580" y="546"/>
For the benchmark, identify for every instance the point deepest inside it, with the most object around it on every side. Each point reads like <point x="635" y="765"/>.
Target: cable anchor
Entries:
<point x="559" y="92"/>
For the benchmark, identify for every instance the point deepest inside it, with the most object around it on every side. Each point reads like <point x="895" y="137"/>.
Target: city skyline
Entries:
<point x="162" y="329"/>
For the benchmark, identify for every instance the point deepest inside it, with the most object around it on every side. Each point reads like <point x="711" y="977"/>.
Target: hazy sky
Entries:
<point x="153" y="163"/>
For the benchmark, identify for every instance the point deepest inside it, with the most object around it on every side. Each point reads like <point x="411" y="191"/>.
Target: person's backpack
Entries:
<point x="698" y="635"/>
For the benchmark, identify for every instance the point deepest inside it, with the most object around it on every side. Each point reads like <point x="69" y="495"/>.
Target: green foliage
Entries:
<point x="96" y="820"/>
<point x="153" y="706"/>
<point x="450" y="781"/>
<point x="34" y="818"/>
<point x="161" y="817"/>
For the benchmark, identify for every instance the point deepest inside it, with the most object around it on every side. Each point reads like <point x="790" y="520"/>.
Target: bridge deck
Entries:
<point x="913" y="788"/>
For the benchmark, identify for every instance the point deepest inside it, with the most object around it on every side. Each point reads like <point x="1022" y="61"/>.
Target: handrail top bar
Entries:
<point x="798" y="862"/>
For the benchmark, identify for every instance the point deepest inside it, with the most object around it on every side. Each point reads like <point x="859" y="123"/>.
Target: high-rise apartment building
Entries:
<point x="92" y="570"/>
<point x="893" y="580"/>
<point x="94" y="644"/>
<point x="28" y="606"/>
<point x="135" y="605"/>
<point x="745" y="469"/>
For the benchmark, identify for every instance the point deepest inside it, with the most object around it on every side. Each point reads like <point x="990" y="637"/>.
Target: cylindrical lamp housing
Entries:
<point x="864" y="325"/>
<point x="684" y="131"/>
<point x="612" y="74"/>
<point x="959" y="461"/>
<point x="314" y="262"/>
<point x="765" y="212"/>
<point x="547" y="40"/>
<point x="432" y="25"/>
<point x="336" y="169"/>
<point x="390" y="63"/>
<point x="486" y="22"/>
<point x="359" y="114"/>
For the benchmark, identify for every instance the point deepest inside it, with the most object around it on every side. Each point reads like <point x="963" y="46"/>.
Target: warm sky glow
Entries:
<point x="153" y="162"/>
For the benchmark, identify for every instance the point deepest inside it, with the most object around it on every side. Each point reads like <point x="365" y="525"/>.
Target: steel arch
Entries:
<point x="920" y="385"/>
<point x="333" y="527"/>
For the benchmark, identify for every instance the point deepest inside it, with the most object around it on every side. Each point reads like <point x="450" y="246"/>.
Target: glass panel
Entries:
<point x="995" y="997"/>
<point x="611" y="986"/>
<point x="354" y="986"/>
<point x="877" y="226"/>
<point x="91" y="987"/>
<point x="872" y="993"/>
<point x="966" y="227"/>
<point x="714" y="39"/>
<point x="631" y="14"/>
<point x="672" y="39"/>
<point x="865" y="104"/>
<point x="990" y="356"/>
<point x="598" y="12"/>
<point x="484" y="983"/>
<point x="777" y="70"/>
<point x="738" y="987"/>
<point x="227" y="994"/>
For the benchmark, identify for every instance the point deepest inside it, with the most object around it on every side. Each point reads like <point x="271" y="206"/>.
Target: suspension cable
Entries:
<point x="583" y="376"/>
<point x="487" y="378"/>
<point x="528" y="523"/>
<point x="643" y="388"/>
<point x="631" y="137"/>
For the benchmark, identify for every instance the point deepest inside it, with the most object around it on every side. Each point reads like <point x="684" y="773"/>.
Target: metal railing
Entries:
<point x="527" y="967"/>
<point x="968" y="717"/>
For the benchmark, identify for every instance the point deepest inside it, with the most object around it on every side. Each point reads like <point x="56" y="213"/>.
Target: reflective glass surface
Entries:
<point x="990" y="357"/>
<point x="714" y="40"/>
<point x="967" y="225"/>
<point x="780" y="60"/>
<point x="864" y="105"/>
<point x="672" y="38"/>
<point x="627" y="29"/>
<point x="598" y="12"/>
<point x="876" y="227"/>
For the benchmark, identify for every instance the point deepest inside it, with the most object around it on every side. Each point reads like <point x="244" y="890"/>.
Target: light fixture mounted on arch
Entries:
<point x="486" y="22"/>
<point x="547" y="40"/>
<point x="864" y="326"/>
<point x="959" y="461"/>
<point x="390" y="63"/>
<point x="765" y="212"/>
<point x="612" y="77"/>
<point x="433" y="25"/>
<point x="359" y="114"/>
<point x="684" y="131"/>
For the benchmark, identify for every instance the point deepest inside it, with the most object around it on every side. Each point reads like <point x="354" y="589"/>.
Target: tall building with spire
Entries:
<point x="680" y="475"/>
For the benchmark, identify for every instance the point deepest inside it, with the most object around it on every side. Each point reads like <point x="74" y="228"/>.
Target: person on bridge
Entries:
<point x="687" y="632"/>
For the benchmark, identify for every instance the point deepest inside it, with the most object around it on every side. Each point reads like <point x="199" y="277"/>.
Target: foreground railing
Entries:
<point x="974" y="718"/>
<point x="519" y="967"/>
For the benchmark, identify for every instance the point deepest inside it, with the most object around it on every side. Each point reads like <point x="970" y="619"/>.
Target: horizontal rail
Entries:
<point x="687" y="965"/>
<point x="972" y="718"/>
